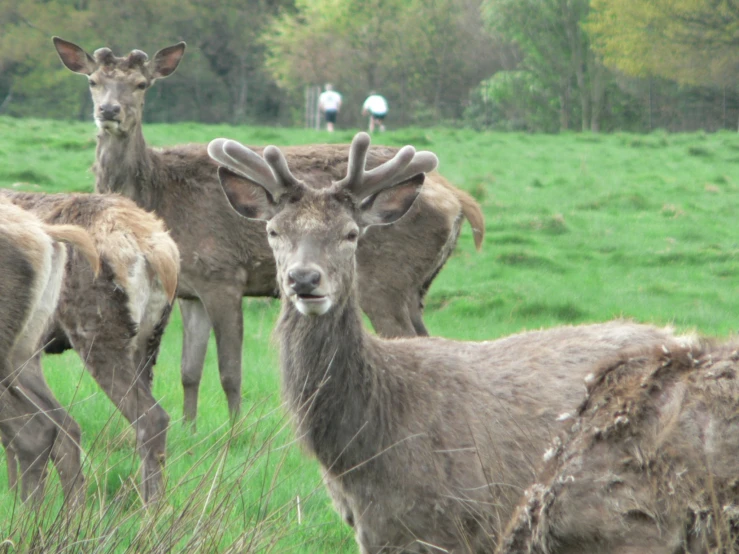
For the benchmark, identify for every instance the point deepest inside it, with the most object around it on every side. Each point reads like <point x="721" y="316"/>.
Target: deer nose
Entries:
<point x="109" y="111"/>
<point x="303" y="281"/>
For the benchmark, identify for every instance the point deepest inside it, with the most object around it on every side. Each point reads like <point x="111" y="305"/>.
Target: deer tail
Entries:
<point x="164" y="258"/>
<point x="78" y="238"/>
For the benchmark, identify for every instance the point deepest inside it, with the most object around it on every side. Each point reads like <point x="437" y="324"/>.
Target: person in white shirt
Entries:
<point x="329" y="102"/>
<point x="376" y="106"/>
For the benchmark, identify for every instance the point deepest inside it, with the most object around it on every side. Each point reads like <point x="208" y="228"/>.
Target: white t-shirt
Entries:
<point x="375" y="104"/>
<point x="329" y="100"/>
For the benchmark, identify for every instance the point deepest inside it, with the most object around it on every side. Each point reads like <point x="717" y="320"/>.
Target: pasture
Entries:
<point x="579" y="228"/>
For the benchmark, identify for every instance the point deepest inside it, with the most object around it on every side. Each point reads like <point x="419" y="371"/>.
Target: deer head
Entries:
<point x="118" y="85"/>
<point x="313" y="232"/>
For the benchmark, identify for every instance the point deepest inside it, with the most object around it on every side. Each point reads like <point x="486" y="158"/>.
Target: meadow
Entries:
<point x="579" y="228"/>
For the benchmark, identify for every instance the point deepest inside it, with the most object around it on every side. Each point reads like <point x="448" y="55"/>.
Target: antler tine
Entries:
<point x="357" y="159"/>
<point x="405" y="164"/>
<point x="383" y="175"/>
<point x="421" y="162"/>
<point x="276" y="160"/>
<point x="241" y="159"/>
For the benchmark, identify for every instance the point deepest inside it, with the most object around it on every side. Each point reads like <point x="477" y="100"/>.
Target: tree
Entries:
<point x="556" y="50"/>
<point x="424" y="55"/>
<point x="30" y="72"/>
<point x="689" y="41"/>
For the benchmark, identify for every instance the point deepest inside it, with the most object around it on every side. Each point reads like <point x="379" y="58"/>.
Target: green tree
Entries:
<point x="557" y="50"/>
<point x="423" y="55"/>
<point x="689" y="41"/>
<point x="31" y="80"/>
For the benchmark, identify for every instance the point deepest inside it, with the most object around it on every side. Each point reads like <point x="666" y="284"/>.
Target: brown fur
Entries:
<point x="426" y="443"/>
<point x="649" y="464"/>
<point x="225" y="257"/>
<point x="81" y="240"/>
<point x="115" y="321"/>
<point x="33" y="425"/>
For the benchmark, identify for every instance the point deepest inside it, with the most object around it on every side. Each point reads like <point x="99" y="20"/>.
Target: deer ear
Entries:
<point x="389" y="205"/>
<point x="248" y="198"/>
<point x="166" y="60"/>
<point x="74" y="57"/>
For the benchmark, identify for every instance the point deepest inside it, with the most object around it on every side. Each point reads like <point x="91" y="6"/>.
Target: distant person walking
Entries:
<point x="376" y="107"/>
<point x="329" y="102"/>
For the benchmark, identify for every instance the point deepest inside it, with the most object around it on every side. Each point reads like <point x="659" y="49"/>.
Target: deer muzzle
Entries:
<point x="305" y="289"/>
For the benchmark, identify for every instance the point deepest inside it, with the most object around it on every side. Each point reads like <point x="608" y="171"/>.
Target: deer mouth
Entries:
<point x="108" y="123"/>
<point x="311" y="297"/>
<point x="312" y="304"/>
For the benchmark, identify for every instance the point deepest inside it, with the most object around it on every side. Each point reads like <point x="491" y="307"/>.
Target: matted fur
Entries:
<point x="649" y="463"/>
<point x="115" y="321"/>
<point x="426" y="444"/>
<point x="225" y="257"/>
<point x="33" y="425"/>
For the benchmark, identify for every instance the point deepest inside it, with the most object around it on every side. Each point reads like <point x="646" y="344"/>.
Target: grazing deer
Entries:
<point x="33" y="425"/>
<point x="426" y="443"/>
<point x="115" y="322"/>
<point x="225" y="257"/>
<point x="649" y="463"/>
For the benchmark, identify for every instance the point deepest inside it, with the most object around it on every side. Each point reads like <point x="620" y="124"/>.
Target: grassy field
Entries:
<point x="580" y="228"/>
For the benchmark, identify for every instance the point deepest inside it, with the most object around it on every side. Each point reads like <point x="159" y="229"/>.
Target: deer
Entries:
<point x="115" y="322"/>
<point x="648" y="461"/>
<point x="425" y="444"/>
<point x="33" y="425"/>
<point x="224" y="257"/>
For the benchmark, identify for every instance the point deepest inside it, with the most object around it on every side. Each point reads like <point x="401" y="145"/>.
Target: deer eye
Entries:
<point x="272" y="233"/>
<point x="352" y="235"/>
<point x="141" y="86"/>
<point x="93" y="83"/>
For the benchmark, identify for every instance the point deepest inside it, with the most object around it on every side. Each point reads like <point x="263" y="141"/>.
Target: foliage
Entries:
<point x="691" y="41"/>
<point x="557" y="51"/>
<point x="222" y="78"/>
<point x="512" y="101"/>
<point x="249" y="61"/>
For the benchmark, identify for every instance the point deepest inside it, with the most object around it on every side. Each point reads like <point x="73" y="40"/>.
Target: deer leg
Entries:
<point x="29" y="434"/>
<point x="389" y="315"/>
<point x="195" y="334"/>
<point x="225" y="313"/>
<point x="32" y="397"/>
<point x="65" y="452"/>
<point x="149" y="338"/>
<point x="415" y="311"/>
<point x="111" y="364"/>
<point x="385" y="301"/>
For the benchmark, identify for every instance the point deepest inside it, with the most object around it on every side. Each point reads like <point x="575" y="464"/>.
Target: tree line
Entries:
<point x="534" y="65"/>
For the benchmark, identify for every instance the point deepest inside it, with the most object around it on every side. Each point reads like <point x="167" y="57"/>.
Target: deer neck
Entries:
<point x="330" y="382"/>
<point x="123" y="165"/>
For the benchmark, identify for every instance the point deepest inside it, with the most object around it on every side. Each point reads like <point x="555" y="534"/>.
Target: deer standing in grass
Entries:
<point x="649" y="462"/>
<point x="115" y="321"/>
<point x="33" y="425"/>
<point x="426" y="444"/>
<point x="225" y="257"/>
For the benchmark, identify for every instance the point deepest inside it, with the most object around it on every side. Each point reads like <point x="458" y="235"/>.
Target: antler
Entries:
<point x="269" y="171"/>
<point x="404" y="165"/>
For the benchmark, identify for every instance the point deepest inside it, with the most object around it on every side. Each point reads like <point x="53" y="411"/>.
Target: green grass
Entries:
<point x="580" y="228"/>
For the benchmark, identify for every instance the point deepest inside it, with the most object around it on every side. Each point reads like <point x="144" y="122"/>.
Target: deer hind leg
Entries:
<point x="104" y="334"/>
<point x="65" y="453"/>
<point x="195" y="334"/>
<point x="415" y="311"/>
<point x="388" y="313"/>
<point x="224" y="311"/>
<point x="29" y="435"/>
<point x="111" y="364"/>
<point x="385" y="301"/>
